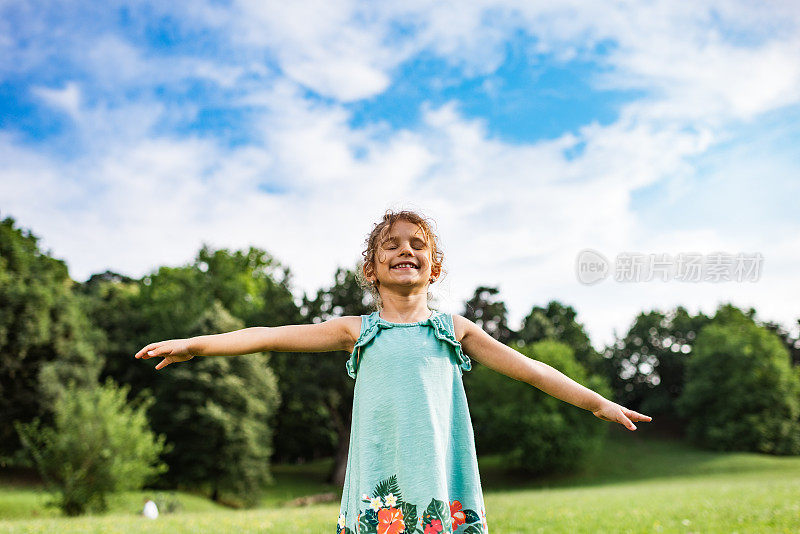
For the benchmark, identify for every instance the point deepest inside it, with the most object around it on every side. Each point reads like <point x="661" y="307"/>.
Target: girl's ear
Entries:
<point x="369" y="274"/>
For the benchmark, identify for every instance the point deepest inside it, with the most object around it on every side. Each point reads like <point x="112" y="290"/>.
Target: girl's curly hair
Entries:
<point x="366" y="266"/>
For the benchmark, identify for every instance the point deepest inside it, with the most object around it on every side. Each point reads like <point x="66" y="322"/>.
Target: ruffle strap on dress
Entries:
<point x="445" y="330"/>
<point x="371" y="324"/>
<point x="369" y="329"/>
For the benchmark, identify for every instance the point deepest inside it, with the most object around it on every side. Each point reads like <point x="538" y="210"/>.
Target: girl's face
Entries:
<point x="404" y="257"/>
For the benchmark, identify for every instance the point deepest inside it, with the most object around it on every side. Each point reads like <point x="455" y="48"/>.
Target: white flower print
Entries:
<point x="376" y="504"/>
<point x="390" y="500"/>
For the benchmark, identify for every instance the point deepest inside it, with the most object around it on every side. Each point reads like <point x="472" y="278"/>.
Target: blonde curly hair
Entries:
<point x="366" y="266"/>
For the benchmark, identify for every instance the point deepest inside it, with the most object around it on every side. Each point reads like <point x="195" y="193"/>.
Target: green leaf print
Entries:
<point x="437" y="510"/>
<point x="388" y="486"/>
<point x="368" y="523"/>
<point x="409" y="517"/>
<point x="473" y="529"/>
<point x="472" y="516"/>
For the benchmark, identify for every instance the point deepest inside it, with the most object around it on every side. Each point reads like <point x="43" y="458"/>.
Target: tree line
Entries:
<point x="76" y="405"/>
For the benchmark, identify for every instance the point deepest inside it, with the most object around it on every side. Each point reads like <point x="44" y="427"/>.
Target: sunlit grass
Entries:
<point x="635" y="484"/>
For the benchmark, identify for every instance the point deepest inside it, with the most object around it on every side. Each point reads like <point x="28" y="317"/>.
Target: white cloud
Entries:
<point x="67" y="99"/>
<point x="707" y="59"/>
<point x="511" y="215"/>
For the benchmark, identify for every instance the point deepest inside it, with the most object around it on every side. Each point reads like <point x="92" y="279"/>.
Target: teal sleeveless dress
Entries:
<point x="411" y="466"/>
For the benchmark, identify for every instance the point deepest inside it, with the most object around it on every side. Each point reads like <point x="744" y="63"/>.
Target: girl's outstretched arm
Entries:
<point x="487" y="350"/>
<point x="335" y="334"/>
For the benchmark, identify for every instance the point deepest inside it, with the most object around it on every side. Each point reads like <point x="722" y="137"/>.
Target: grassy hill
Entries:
<point x="636" y="483"/>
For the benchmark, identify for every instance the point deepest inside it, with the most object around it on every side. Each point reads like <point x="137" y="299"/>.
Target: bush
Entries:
<point x="740" y="392"/>
<point x="537" y="432"/>
<point x="99" y="444"/>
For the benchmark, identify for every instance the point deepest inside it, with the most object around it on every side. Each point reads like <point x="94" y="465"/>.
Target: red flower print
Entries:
<point x="435" y="527"/>
<point x="390" y="521"/>
<point x="459" y="517"/>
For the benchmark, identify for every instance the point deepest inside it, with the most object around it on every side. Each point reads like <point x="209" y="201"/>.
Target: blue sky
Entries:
<point x="527" y="98"/>
<point x="133" y="132"/>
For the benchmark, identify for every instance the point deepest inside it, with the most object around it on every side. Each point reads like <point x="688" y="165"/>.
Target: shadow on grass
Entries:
<point x="633" y="456"/>
<point x="300" y="485"/>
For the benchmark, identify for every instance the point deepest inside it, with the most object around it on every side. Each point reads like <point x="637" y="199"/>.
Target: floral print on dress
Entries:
<point x="387" y="513"/>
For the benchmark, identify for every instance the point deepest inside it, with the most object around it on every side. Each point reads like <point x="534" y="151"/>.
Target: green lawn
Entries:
<point x="635" y="484"/>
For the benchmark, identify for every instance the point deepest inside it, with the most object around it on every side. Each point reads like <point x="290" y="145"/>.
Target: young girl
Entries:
<point x="411" y="465"/>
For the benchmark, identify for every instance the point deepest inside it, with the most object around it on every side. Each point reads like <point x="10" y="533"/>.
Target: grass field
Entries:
<point x="635" y="484"/>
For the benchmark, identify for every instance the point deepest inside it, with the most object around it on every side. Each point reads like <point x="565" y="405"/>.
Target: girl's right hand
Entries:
<point x="173" y="350"/>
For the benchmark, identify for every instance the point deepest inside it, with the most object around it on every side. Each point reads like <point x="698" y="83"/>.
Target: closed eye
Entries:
<point x="416" y="243"/>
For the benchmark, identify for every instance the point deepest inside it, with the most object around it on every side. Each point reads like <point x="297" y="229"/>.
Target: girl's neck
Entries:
<point x="405" y="312"/>
<point x="401" y="319"/>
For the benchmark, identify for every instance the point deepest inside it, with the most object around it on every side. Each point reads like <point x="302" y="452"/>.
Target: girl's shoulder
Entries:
<point x="461" y="325"/>
<point x="352" y="325"/>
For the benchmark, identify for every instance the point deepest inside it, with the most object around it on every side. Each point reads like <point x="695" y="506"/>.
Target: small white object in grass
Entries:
<point x="150" y="510"/>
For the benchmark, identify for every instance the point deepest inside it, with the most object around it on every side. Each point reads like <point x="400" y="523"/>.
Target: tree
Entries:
<point x="741" y="392"/>
<point x="490" y="314"/>
<point x="46" y="339"/>
<point x="112" y="304"/>
<point x="646" y="367"/>
<point x="99" y="444"/>
<point x="252" y="285"/>
<point x="792" y="343"/>
<point x="215" y="410"/>
<point x="557" y="322"/>
<point x="218" y="411"/>
<point x="536" y="433"/>
<point x="314" y="419"/>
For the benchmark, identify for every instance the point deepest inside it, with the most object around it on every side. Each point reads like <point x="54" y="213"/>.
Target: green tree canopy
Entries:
<point x="537" y="433"/>
<point x="215" y="410"/>
<point x="46" y="339"/>
<point x="558" y="322"/>
<point x="486" y="311"/>
<point x="314" y="419"/>
<point x="647" y="365"/>
<point x="792" y="342"/>
<point x="741" y="392"/>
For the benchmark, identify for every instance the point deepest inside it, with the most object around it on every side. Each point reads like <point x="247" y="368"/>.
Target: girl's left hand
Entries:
<point x="611" y="411"/>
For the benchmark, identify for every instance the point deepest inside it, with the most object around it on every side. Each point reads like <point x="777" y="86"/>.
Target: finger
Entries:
<point x="638" y="416"/>
<point x="161" y="350"/>
<point x="165" y="362"/>
<point x="627" y="422"/>
<point x="143" y="352"/>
